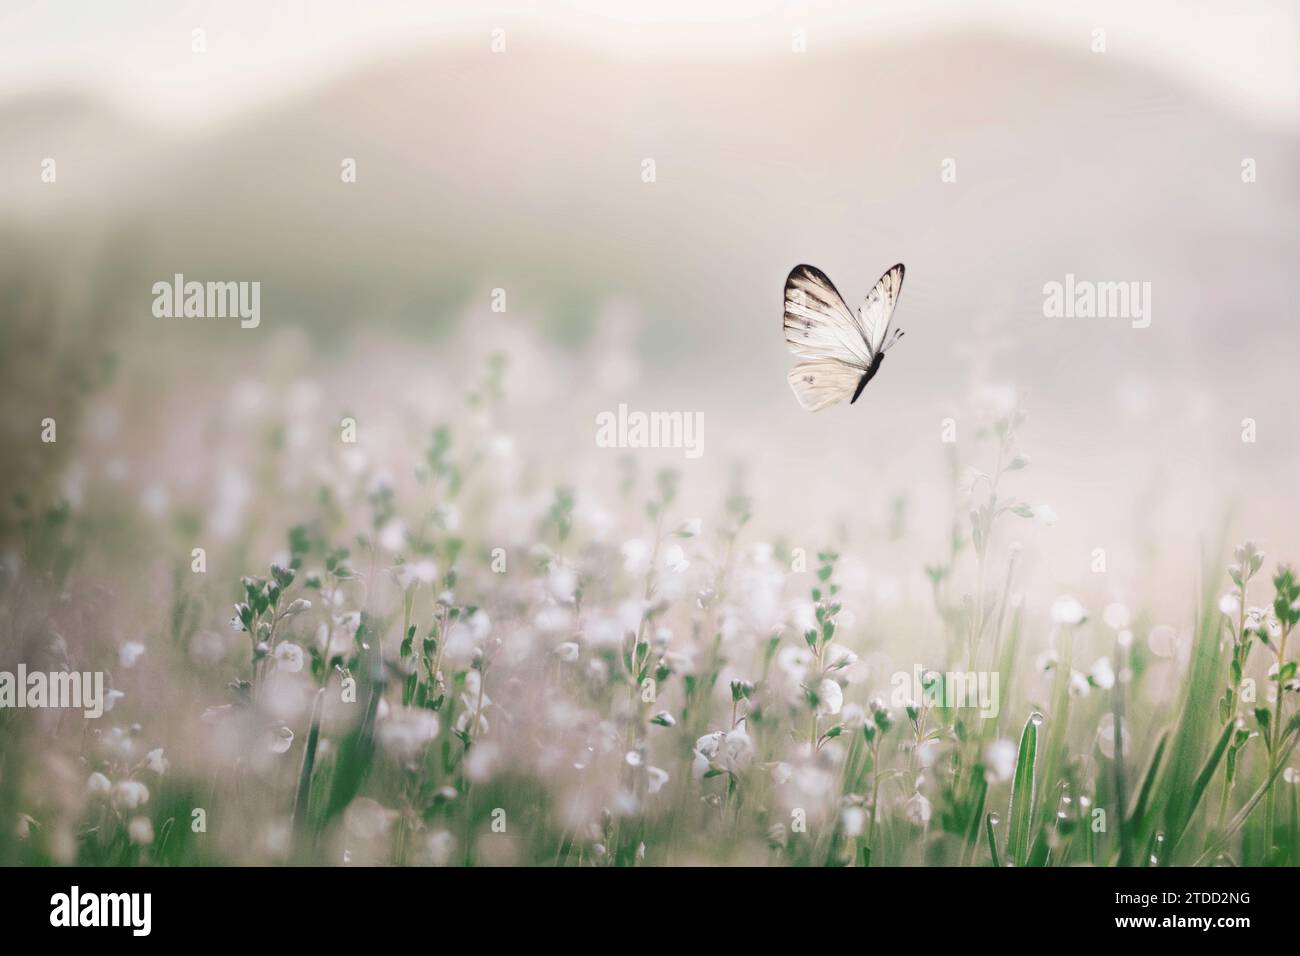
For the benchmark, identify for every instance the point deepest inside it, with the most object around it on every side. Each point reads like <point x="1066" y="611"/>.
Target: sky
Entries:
<point x="138" y="54"/>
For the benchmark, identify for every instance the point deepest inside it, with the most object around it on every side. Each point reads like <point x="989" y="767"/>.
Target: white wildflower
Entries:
<point x="636" y="556"/>
<point x="1102" y="674"/>
<point x="830" y="698"/>
<point x="656" y="779"/>
<point x="675" y="559"/>
<point x="392" y="535"/>
<point x="1067" y="610"/>
<point x="157" y="762"/>
<point x="1116" y="616"/>
<point x="129" y="794"/>
<point x="130" y="653"/>
<point x="918" y="810"/>
<point x="140" y="830"/>
<point x="289" y="657"/>
<point x="853" y="820"/>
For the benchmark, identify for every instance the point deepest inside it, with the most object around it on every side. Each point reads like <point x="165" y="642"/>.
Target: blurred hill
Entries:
<point x="523" y="170"/>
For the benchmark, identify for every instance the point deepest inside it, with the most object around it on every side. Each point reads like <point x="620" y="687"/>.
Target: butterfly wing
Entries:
<point x="820" y="382"/>
<point x="818" y="325"/>
<point x="878" y="308"/>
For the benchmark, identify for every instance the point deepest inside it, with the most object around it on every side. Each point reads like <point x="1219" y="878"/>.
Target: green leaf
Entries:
<point x="1040" y="849"/>
<point x="1198" y="722"/>
<point x="992" y="838"/>
<point x="302" y="798"/>
<point x="1203" y="781"/>
<point x="1021" y="812"/>
<point x="357" y="751"/>
<point x="1262" y="717"/>
<point x="978" y="792"/>
<point x="1148" y="781"/>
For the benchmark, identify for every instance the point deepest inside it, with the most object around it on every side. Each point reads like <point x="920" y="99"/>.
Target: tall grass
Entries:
<point x="399" y="685"/>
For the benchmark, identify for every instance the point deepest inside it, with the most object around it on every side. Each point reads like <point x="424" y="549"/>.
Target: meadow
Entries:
<point x="434" y="655"/>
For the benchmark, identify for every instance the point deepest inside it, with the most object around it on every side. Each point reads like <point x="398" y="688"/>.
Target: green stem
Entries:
<point x="875" y="797"/>
<point x="1274" y="740"/>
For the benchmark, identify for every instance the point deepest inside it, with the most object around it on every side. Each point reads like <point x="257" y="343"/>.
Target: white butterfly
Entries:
<point x="842" y="351"/>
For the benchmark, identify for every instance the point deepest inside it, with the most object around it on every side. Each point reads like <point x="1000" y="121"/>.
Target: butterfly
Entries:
<point x="841" y="351"/>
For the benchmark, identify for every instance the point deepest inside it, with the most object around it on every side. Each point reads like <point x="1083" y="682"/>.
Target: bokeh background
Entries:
<point x="521" y="170"/>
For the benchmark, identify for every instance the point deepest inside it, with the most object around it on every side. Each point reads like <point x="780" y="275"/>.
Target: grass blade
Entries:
<point x="1021" y="812"/>
<point x="1123" y="824"/>
<point x="992" y="838"/>
<point x="357" y="751"/>
<point x="1138" y="816"/>
<point x="1039" y="854"/>
<point x="1148" y="781"/>
<point x="302" y="800"/>
<point x="1203" y="781"/>
<point x="1198" y="716"/>
<point x="981" y="788"/>
<point x="1243" y="814"/>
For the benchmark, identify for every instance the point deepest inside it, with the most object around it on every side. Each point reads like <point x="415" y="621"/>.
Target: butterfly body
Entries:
<point x="868" y="375"/>
<point x="841" y="351"/>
